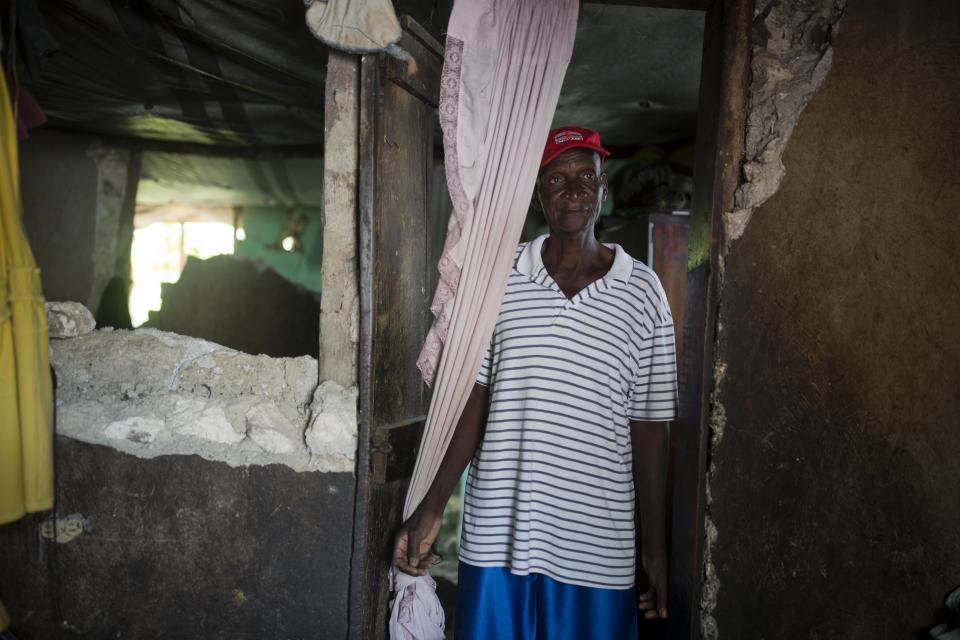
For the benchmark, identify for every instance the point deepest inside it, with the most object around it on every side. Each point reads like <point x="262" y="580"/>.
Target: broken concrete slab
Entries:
<point x="151" y="393"/>
<point x="333" y="427"/>
<point x="68" y="319"/>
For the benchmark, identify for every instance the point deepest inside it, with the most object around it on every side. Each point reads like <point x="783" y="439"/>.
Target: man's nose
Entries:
<point x="575" y="191"/>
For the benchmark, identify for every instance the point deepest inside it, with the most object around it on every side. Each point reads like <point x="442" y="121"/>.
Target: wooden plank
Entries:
<point x="385" y="506"/>
<point x="404" y="151"/>
<point x="400" y="452"/>
<point x="397" y="160"/>
<point x="670" y="235"/>
<point x="413" y="29"/>
<point x="420" y="75"/>
<point x="720" y="130"/>
<point x="359" y="598"/>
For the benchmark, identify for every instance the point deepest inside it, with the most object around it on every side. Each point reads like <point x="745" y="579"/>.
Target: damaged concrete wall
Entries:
<point x="77" y="211"/>
<point x="833" y="472"/>
<point x="151" y="393"/>
<point x="175" y="543"/>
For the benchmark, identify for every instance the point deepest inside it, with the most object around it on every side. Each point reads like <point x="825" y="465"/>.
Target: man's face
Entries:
<point x="571" y="189"/>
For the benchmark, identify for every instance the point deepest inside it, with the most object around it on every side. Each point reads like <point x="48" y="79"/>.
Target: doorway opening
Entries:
<point x="635" y="77"/>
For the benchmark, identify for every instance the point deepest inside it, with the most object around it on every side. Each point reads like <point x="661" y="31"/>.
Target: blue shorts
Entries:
<point x="494" y="604"/>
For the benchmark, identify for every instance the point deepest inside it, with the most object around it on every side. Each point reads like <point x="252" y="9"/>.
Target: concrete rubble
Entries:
<point x="150" y="393"/>
<point x="68" y="319"/>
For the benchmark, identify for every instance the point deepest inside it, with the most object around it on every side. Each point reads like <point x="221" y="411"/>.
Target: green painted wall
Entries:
<point x="263" y="227"/>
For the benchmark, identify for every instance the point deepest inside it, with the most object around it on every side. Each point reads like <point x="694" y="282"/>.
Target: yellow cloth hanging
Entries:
<point x="26" y="409"/>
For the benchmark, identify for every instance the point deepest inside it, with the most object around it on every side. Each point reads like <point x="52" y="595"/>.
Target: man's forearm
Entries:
<point x="650" y="451"/>
<point x="463" y="446"/>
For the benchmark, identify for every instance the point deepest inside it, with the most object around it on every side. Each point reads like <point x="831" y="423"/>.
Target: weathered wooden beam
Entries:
<point x="339" y="306"/>
<point x="719" y="150"/>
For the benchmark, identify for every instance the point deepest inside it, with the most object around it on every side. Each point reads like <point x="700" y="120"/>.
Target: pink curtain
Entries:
<point x="504" y="64"/>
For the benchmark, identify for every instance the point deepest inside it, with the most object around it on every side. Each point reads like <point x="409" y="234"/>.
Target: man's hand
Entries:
<point x="653" y="603"/>
<point x="411" y="549"/>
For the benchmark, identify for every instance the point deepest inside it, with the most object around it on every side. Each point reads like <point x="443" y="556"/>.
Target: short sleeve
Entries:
<point x="653" y="389"/>
<point x="486" y="367"/>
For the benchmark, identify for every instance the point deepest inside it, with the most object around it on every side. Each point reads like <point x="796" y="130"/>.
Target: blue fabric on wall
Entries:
<point x="494" y="604"/>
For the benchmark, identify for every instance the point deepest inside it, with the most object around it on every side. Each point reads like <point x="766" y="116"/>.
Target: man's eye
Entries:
<point x="589" y="175"/>
<point x="554" y="179"/>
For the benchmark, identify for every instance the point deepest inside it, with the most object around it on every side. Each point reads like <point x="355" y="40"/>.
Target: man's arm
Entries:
<point x="650" y="441"/>
<point x="413" y="541"/>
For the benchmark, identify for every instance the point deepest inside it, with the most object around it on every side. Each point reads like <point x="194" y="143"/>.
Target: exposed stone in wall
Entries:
<point x="333" y="425"/>
<point x="68" y="319"/>
<point x="791" y="56"/>
<point x="150" y="393"/>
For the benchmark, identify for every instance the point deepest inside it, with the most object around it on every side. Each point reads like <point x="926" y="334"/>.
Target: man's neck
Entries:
<point x="575" y="254"/>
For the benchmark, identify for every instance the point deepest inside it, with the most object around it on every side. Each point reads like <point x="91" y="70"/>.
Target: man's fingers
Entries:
<point x="413" y="552"/>
<point x="400" y="554"/>
<point x="647" y="601"/>
<point x="400" y="548"/>
<point x="652" y="605"/>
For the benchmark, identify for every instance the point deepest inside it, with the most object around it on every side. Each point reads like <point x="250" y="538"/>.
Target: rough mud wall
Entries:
<point x="183" y="548"/>
<point x="833" y="501"/>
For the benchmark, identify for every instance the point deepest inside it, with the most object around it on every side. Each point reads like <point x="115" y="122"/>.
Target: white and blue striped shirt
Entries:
<point x="550" y="489"/>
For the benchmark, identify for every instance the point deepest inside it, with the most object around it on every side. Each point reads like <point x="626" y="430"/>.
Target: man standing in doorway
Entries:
<point x="567" y="431"/>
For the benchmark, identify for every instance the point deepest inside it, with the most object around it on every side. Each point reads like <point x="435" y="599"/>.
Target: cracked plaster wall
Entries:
<point x="833" y="443"/>
<point x="151" y="393"/>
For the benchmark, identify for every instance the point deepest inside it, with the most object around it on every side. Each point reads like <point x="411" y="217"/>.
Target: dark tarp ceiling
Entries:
<point x="247" y="73"/>
<point x="222" y="72"/>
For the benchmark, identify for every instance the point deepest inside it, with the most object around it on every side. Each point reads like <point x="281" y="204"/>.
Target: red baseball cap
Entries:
<point x="563" y="138"/>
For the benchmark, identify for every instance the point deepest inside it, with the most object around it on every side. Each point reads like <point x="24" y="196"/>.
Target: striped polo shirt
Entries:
<point x="550" y="489"/>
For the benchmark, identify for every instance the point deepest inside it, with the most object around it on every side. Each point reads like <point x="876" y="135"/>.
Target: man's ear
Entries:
<point x="605" y="187"/>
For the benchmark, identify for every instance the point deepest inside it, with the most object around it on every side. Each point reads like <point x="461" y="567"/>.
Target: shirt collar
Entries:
<point x="530" y="261"/>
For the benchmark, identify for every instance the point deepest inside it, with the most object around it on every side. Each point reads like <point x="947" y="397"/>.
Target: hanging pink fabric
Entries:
<point x="415" y="611"/>
<point x="504" y="63"/>
<point x="503" y="67"/>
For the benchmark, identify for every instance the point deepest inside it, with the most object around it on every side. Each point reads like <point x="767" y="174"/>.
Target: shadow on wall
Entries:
<point x="242" y="305"/>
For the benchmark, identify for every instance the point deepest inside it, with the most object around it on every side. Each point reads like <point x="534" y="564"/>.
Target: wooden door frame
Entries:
<point x="387" y="445"/>
<point x="719" y="144"/>
<point x="721" y="119"/>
